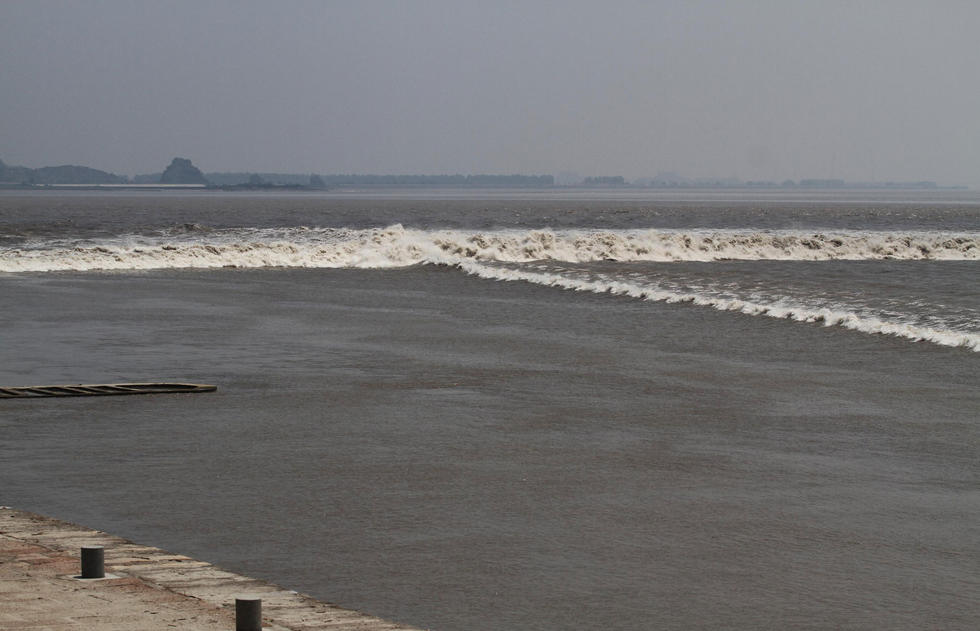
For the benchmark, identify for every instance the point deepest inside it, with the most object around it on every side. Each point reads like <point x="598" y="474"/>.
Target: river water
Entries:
<point x="507" y="410"/>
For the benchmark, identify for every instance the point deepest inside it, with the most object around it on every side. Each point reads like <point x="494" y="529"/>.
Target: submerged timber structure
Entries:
<point x="80" y="390"/>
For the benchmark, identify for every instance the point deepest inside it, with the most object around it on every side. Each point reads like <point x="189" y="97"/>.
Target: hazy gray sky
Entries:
<point x="780" y="89"/>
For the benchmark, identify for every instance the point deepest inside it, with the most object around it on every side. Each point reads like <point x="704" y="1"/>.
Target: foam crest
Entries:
<point x="486" y="254"/>
<point x="777" y="309"/>
<point x="397" y="246"/>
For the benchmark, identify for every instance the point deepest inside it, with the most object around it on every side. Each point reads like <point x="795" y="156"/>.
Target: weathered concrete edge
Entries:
<point x="284" y="610"/>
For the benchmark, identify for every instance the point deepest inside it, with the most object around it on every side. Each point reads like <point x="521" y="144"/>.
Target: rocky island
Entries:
<point x="182" y="171"/>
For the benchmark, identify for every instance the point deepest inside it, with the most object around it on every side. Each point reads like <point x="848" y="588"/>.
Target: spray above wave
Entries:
<point x="396" y="246"/>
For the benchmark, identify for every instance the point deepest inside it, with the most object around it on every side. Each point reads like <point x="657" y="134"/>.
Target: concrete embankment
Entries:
<point x="144" y="587"/>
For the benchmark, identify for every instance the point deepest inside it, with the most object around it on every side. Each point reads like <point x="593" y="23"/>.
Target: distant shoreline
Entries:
<point x="182" y="174"/>
<point x="266" y="188"/>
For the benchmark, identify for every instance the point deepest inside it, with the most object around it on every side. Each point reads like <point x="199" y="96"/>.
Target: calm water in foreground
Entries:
<point x="512" y="412"/>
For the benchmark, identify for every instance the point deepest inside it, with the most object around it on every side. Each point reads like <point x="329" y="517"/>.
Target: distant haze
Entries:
<point x="754" y="90"/>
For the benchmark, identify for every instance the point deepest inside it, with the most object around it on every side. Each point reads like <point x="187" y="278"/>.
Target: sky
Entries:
<point x="758" y="90"/>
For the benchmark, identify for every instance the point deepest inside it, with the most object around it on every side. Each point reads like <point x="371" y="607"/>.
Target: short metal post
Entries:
<point x="93" y="562"/>
<point x="248" y="614"/>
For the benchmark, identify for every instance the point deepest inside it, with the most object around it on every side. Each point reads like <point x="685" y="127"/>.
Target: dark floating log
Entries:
<point x="21" y="392"/>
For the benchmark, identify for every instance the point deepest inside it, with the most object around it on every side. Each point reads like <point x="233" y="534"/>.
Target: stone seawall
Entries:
<point x="144" y="588"/>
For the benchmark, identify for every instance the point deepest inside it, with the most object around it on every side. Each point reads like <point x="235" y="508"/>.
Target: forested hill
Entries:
<point x="65" y="174"/>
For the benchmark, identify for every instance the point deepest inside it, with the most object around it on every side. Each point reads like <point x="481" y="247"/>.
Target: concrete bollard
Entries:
<point x="248" y="614"/>
<point x="93" y="562"/>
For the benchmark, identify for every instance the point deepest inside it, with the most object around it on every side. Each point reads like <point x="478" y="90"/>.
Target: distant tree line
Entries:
<point x="438" y="181"/>
<point x="604" y="181"/>
<point x="313" y="180"/>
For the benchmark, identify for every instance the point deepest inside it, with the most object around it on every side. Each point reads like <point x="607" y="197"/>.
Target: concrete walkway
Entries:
<point x="145" y="588"/>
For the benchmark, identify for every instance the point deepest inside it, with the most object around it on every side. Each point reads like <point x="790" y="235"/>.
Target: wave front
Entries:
<point x="396" y="246"/>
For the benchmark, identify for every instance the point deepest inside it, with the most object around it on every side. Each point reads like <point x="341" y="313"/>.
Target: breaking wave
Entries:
<point x="396" y="246"/>
<point x="493" y="255"/>
<point x="782" y="309"/>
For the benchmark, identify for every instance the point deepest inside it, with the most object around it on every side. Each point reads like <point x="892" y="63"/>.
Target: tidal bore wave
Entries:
<point x="782" y="309"/>
<point x="396" y="246"/>
<point x="487" y="253"/>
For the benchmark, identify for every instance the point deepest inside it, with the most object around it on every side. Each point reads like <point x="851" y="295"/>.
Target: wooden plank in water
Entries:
<point x="99" y="389"/>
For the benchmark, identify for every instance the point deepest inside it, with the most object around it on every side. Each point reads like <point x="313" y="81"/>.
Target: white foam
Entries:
<point x="475" y="253"/>
<point x="396" y="246"/>
<point x="782" y="310"/>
